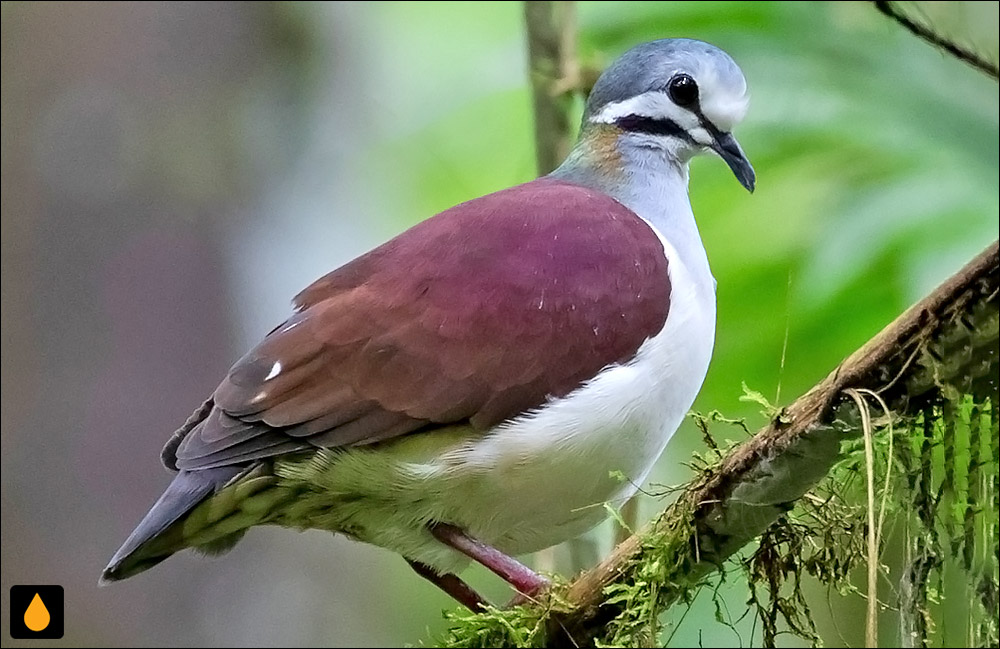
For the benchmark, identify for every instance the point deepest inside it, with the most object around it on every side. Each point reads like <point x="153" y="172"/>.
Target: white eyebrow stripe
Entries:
<point x="723" y="110"/>
<point x="654" y="104"/>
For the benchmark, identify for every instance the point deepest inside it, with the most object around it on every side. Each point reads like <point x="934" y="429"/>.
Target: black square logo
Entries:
<point x="36" y="612"/>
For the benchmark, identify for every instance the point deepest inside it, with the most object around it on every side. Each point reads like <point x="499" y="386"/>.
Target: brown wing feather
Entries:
<point x="478" y="314"/>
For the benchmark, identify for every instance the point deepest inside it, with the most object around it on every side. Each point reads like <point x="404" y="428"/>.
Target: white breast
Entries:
<point x="544" y="477"/>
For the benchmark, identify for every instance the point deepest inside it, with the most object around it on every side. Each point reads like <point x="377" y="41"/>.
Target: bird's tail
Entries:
<point x="208" y="509"/>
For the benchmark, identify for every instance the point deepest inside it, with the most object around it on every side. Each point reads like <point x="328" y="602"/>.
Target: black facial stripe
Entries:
<point x="702" y="120"/>
<point x="651" y="126"/>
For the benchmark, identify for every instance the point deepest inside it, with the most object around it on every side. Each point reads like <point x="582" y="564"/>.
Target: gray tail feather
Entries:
<point x="184" y="493"/>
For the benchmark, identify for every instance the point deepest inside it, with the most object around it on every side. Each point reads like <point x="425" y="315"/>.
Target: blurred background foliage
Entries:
<point x="173" y="173"/>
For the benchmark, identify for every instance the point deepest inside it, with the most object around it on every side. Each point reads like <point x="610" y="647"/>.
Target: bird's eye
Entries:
<point x="683" y="90"/>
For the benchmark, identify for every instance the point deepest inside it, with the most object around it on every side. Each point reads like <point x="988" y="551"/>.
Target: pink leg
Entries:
<point x="452" y="585"/>
<point x="524" y="579"/>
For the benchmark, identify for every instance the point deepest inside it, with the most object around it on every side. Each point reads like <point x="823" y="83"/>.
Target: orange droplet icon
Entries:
<point x="36" y="617"/>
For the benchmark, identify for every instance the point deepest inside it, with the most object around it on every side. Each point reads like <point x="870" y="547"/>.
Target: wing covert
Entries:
<point x="479" y="313"/>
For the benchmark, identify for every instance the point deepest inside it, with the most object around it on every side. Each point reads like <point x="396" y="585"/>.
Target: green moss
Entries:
<point x="940" y="498"/>
<point x="521" y="626"/>
<point x="658" y="577"/>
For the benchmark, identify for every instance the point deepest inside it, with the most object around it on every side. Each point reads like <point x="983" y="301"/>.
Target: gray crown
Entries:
<point x="651" y="65"/>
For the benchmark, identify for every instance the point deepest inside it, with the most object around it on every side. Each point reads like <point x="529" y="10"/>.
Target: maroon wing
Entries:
<point x="479" y="313"/>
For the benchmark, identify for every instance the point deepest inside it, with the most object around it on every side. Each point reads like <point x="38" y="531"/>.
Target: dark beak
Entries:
<point x="729" y="150"/>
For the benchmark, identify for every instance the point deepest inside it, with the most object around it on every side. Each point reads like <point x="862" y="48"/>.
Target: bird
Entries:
<point x="482" y="385"/>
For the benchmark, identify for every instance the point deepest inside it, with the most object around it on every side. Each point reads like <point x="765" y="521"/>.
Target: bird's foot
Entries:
<point x="528" y="583"/>
<point x="451" y="584"/>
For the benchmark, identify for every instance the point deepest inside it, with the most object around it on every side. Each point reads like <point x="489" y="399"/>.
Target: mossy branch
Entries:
<point x="762" y="478"/>
<point x="947" y="341"/>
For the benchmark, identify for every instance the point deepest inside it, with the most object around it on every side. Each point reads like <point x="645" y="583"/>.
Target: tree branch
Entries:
<point x="554" y="73"/>
<point x="887" y="8"/>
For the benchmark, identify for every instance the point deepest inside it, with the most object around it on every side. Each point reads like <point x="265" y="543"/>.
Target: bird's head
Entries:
<point x="679" y="96"/>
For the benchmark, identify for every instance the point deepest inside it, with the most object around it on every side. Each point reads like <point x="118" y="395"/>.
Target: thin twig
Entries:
<point x="888" y="464"/>
<point x="973" y="59"/>
<point x="784" y="344"/>
<point x="871" y="622"/>
<point x="629" y="515"/>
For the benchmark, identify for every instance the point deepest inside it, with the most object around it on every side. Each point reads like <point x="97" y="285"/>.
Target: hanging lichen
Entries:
<point x="941" y="496"/>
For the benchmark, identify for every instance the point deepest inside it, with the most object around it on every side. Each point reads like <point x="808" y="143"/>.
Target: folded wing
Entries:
<point x="477" y="314"/>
